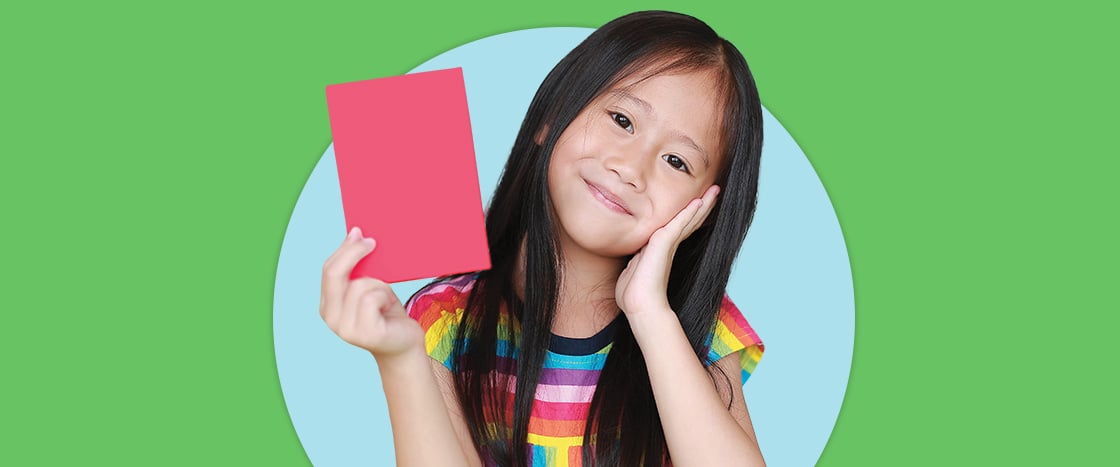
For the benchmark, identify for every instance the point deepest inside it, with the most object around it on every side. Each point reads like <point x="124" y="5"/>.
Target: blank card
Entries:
<point x="408" y="176"/>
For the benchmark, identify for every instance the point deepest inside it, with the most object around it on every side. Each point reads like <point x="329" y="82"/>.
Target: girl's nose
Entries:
<point x="627" y="173"/>
<point x="629" y="163"/>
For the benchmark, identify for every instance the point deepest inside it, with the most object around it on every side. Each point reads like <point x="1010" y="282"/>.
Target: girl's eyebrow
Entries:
<point x="622" y="94"/>
<point x="647" y="108"/>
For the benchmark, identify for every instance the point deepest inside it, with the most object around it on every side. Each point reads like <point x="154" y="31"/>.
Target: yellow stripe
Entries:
<point x="555" y="441"/>
<point x="725" y="335"/>
<point x="440" y="332"/>
<point x="749" y="358"/>
<point x="755" y="353"/>
<point x="561" y="457"/>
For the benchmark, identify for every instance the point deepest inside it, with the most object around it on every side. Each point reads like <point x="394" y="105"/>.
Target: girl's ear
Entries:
<point x="541" y="134"/>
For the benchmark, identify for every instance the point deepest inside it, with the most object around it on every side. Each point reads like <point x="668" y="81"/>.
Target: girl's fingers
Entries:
<point x="365" y="311"/>
<point x="337" y="268"/>
<point x="675" y="228"/>
<point x="709" y="201"/>
<point x="363" y="287"/>
<point x="395" y="307"/>
<point x="354" y="234"/>
<point x="366" y="319"/>
<point x="362" y="296"/>
<point x="688" y="219"/>
<point x="336" y="274"/>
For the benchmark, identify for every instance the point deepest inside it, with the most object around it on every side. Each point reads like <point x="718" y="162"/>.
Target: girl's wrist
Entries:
<point x="402" y="362"/>
<point x="651" y="321"/>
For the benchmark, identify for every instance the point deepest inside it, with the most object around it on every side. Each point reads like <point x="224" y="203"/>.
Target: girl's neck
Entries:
<point x="586" y="302"/>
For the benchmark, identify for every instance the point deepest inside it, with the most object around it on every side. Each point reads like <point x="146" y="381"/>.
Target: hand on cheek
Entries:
<point x="642" y="286"/>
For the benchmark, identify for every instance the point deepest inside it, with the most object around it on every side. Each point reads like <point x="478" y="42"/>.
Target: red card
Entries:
<point x="407" y="171"/>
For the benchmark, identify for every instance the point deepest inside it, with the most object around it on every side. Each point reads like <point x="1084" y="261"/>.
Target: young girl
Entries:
<point x="602" y="334"/>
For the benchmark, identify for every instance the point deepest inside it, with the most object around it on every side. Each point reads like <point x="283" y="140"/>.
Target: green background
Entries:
<point x="152" y="155"/>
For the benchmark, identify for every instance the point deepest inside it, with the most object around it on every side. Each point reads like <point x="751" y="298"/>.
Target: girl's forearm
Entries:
<point x="699" y="429"/>
<point x="422" y="428"/>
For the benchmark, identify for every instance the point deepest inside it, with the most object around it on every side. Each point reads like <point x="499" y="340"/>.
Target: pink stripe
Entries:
<point x="561" y="393"/>
<point x="560" y="410"/>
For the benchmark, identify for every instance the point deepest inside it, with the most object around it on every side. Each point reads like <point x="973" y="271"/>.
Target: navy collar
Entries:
<point x="584" y="345"/>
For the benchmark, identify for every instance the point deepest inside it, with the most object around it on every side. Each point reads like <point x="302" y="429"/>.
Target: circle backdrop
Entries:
<point x="792" y="279"/>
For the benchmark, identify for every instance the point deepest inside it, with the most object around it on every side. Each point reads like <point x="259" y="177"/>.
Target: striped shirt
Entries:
<point x="571" y="367"/>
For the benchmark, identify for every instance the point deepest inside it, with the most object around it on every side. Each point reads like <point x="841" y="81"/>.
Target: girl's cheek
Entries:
<point x="660" y="221"/>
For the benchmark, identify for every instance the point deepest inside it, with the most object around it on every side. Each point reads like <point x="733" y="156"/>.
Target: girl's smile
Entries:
<point x="633" y="158"/>
<point x="610" y="200"/>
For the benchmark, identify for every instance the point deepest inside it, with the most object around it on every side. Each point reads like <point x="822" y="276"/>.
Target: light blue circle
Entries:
<point x="792" y="279"/>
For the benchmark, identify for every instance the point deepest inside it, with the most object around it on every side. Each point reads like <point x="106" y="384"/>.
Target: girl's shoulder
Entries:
<point x="732" y="333"/>
<point x="446" y="295"/>
<point x="439" y="307"/>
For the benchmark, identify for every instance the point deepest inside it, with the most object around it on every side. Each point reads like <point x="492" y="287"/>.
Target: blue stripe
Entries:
<point x="540" y="457"/>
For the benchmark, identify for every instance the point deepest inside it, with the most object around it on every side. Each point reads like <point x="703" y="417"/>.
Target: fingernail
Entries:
<point x="368" y="242"/>
<point x="355" y="233"/>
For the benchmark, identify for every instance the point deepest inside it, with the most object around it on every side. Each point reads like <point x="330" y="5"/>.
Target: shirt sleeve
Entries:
<point x="733" y="334"/>
<point x="439" y="309"/>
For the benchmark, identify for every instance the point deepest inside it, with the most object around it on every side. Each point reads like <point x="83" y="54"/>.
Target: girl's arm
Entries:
<point x="458" y="423"/>
<point x="699" y="430"/>
<point x="366" y="313"/>
<point x="424" y="430"/>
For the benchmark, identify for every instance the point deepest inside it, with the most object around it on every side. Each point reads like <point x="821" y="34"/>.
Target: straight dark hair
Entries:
<point x="642" y="44"/>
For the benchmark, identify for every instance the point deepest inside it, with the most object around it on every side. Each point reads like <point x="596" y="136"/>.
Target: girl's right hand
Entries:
<point x="365" y="312"/>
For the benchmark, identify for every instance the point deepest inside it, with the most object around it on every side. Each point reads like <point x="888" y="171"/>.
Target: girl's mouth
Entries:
<point x="607" y="199"/>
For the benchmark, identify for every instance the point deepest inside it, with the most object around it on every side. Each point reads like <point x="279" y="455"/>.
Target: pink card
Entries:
<point x="407" y="171"/>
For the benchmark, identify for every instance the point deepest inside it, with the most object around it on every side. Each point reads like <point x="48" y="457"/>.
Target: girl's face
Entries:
<point x="632" y="159"/>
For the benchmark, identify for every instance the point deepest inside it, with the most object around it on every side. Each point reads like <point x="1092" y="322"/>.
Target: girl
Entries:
<point x="602" y="334"/>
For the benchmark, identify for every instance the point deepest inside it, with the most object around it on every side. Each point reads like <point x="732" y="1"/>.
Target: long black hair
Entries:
<point x="642" y="44"/>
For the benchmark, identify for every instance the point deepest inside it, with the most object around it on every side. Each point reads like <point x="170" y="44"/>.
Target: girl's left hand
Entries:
<point x="643" y="285"/>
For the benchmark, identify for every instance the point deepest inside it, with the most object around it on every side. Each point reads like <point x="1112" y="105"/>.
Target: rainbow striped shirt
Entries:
<point x="571" y="367"/>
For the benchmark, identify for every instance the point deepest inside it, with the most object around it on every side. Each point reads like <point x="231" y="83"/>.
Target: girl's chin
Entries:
<point x="597" y="248"/>
<point x="604" y="237"/>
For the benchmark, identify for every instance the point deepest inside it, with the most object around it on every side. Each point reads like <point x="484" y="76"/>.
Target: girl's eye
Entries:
<point x="676" y="162"/>
<point x="622" y="121"/>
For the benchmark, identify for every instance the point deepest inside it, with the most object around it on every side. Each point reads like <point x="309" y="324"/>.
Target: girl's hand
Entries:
<point x="365" y="312"/>
<point x="642" y="287"/>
